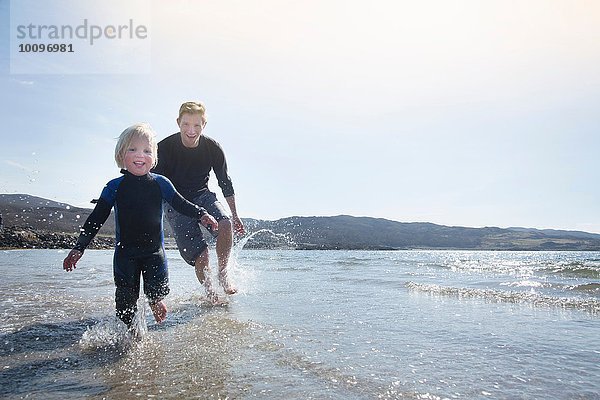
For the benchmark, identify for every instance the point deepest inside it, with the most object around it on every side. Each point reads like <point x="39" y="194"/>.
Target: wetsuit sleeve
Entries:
<point x="220" y="167"/>
<point x="98" y="216"/>
<point x="180" y="204"/>
<point x="93" y="224"/>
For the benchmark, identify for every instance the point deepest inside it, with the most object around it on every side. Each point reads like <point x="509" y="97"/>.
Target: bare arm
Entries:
<point x="238" y="225"/>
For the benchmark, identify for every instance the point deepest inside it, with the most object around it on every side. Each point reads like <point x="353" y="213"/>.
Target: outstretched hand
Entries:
<point x="69" y="264"/>
<point x="238" y="225"/>
<point x="209" y="222"/>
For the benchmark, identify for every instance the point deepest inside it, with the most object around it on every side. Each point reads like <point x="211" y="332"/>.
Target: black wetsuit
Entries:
<point x="189" y="168"/>
<point x="139" y="248"/>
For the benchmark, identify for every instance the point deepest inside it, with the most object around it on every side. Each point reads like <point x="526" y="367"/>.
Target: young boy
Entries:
<point x="137" y="198"/>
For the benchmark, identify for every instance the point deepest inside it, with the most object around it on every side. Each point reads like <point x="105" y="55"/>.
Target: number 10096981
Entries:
<point x="46" y="48"/>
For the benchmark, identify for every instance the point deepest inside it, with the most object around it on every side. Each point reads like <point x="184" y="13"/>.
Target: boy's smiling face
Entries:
<point x="191" y="126"/>
<point x="139" y="158"/>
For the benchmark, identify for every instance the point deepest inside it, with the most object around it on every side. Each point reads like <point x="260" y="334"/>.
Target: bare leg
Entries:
<point x="159" y="310"/>
<point x="224" y="243"/>
<point x="203" y="274"/>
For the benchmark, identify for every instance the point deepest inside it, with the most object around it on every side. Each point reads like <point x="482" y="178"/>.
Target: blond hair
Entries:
<point x="143" y="131"/>
<point x="193" y="107"/>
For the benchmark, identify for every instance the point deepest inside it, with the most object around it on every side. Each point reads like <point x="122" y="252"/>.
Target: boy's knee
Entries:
<point x="225" y="225"/>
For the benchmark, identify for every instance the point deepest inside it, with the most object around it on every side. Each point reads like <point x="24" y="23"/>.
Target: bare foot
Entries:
<point x="135" y="333"/>
<point x="213" y="298"/>
<point x="210" y="293"/>
<point x="160" y="311"/>
<point x="228" y="287"/>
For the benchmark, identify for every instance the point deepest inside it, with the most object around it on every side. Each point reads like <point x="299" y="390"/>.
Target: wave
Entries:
<point x="583" y="268"/>
<point x="527" y="283"/>
<point x="590" y="287"/>
<point x="362" y="281"/>
<point x="586" y="287"/>
<point x="576" y="269"/>
<point x="536" y="299"/>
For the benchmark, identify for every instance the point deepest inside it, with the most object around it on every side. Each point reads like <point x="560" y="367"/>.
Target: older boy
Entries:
<point x="186" y="158"/>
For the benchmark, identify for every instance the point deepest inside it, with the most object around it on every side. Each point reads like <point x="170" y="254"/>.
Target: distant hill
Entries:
<point x="337" y="232"/>
<point x="347" y="232"/>
<point x="34" y="222"/>
<point x="41" y="214"/>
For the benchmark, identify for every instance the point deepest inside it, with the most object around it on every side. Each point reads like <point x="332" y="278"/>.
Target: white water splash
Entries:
<point x="107" y="333"/>
<point x="533" y="298"/>
<point x="284" y="238"/>
<point x="114" y="333"/>
<point x="242" y="276"/>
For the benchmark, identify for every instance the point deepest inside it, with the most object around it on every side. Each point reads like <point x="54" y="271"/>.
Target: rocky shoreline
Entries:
<point x="15" y="237"/>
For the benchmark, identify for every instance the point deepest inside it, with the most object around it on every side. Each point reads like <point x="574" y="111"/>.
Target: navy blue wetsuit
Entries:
<point x="139" y="248"/>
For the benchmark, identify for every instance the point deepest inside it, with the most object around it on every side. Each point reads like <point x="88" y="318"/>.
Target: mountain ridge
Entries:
<point x="318" y="232"/>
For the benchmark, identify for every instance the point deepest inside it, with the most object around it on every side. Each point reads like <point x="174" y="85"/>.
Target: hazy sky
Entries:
<point x="471" y="113"/>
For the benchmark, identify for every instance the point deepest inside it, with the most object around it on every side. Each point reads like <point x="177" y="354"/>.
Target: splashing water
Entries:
<point x="105" y="334"/>
<point x="284" y="238"/>
<point x="244" y="277"/>
<point x="279" y="237"/>
<point x="242" y="242"/>
<point x="114" y="333"/>
<point x="139" y="328"/>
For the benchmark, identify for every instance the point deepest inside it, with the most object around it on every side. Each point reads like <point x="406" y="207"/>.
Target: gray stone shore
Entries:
<point x="15" y="237"/>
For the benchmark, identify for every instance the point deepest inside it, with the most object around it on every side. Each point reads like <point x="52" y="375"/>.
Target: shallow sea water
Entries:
<point x="311" y="325"/>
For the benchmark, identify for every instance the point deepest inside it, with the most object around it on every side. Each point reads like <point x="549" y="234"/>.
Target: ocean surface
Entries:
<point x="310" y="325"/>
